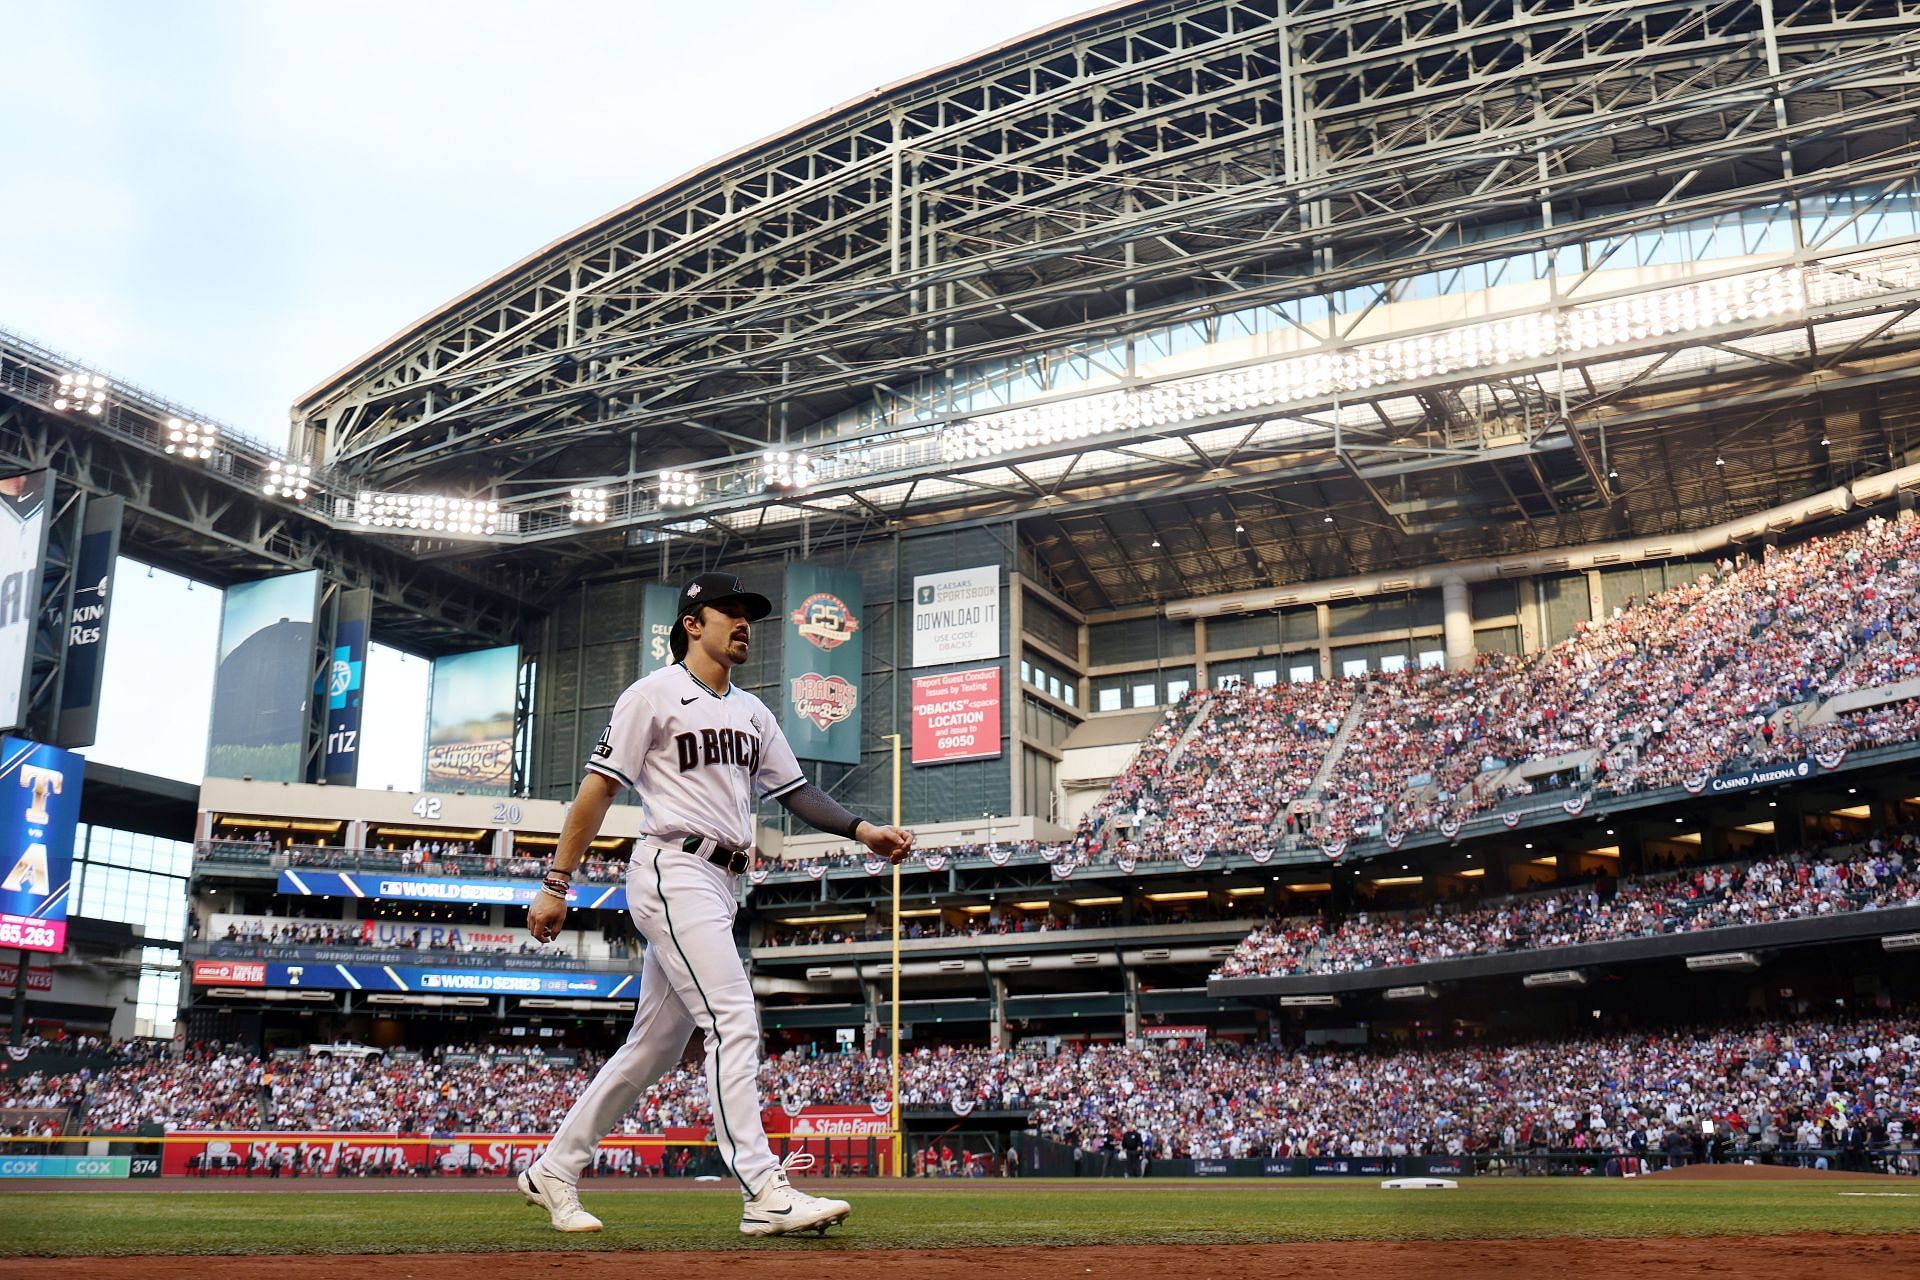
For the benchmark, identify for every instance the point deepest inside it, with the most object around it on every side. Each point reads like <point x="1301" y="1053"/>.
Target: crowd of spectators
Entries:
<point x="1774" y="1086"/>
<point x="1882" y="872"/>
<point x="1678" y="686"/>
<point x="997" y="922"/>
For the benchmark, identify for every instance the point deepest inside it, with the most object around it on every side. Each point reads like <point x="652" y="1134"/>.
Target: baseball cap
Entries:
<point x="714" y="589"/>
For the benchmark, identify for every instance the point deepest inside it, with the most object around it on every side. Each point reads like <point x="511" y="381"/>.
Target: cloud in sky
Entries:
<point x="228" y="201"/>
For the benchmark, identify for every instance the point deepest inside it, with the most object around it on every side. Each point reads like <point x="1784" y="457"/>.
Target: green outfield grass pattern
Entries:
<point x="959" y="1216"/>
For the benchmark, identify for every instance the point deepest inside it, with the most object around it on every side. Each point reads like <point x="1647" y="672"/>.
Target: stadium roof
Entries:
<point x="1154" y="283"/>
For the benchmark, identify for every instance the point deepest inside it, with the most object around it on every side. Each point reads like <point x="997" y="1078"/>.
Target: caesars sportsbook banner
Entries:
<point x="470" y="721"/>
<point x="264" y="679"/>
<point x="39" y="807"/>
<point x="656" y="624"/>
<point x="87" y="622"/>
<point x="822" y="653"/>
<point x="23" y="549"/>
<point x="956" y="616"/>
<point x="343" y="685"/>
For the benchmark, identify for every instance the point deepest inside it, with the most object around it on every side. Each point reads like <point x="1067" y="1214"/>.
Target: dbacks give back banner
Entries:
<point x="822" y="650"/>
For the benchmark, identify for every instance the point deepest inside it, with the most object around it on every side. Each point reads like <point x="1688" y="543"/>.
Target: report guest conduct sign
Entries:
<point x="956" y="716"/>
<point x="956" y="616"/>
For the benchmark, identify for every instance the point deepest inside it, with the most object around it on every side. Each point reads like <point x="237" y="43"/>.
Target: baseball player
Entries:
<point x="695" y="748"/>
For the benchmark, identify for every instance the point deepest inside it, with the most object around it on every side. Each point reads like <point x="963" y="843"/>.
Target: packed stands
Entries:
<point x="1882" y="872"/>
<point x="1776" y="1085"/>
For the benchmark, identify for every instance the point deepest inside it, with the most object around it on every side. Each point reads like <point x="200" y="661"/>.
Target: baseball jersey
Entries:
<point x="695" y="756"/>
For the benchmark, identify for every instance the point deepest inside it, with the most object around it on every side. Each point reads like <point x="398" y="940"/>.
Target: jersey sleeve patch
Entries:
<point x="600" y="766"/>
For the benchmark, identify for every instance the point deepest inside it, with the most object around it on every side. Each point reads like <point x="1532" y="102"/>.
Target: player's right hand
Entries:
<point x="546" y="915"/>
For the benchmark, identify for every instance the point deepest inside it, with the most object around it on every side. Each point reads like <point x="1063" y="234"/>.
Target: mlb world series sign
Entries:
<point x="822" y="655"/>
<point x="39" y="808"/>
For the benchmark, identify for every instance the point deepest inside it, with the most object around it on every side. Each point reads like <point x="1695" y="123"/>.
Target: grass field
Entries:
<point x="953" y="1216"/>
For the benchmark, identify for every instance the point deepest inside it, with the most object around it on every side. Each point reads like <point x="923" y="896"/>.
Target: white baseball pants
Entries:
<point x="691" y="977"/>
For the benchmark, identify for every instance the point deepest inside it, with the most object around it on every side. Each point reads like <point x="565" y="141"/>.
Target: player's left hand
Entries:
<point x="892" y="843"/>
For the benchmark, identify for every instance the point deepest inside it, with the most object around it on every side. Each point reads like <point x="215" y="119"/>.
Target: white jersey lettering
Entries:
<point x="695" y="757"/>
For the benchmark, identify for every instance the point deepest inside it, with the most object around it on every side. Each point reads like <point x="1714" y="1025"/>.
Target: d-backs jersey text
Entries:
<point x="694" y="756"/>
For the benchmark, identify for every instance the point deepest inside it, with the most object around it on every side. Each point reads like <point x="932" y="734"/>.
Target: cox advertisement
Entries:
<point x="470" y="721"/>
<point x="308" y="883"/>
<point x="321" y="976"/>
<point x="956" y="716"/>
<point x="39" y="806"/>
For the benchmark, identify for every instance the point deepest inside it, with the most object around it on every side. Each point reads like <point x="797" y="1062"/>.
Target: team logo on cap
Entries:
<point x="825" y="620"/>
<point x="825" y="700"/>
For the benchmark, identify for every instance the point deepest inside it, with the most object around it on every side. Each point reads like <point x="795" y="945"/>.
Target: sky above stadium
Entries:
<point x="225" y="201"/>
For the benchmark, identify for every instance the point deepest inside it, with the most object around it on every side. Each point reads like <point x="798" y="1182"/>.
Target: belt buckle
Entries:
<point x="737" y="861"/>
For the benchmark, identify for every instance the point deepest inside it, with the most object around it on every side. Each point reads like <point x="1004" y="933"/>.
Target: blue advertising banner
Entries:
<point x="470" y="722"/>
<point x="656" y="626"/>
<point x="87" y="617"/>
<point x="309" y="883"/>
<point x="23" y="550"/>
<point x="63" y="1166"/>
<point x="39" y="807"/>
<point x="387" y="977"/>
<point x="264" y="679"/>
<point x="345" y="682"/>
<point x="822" y="651"/>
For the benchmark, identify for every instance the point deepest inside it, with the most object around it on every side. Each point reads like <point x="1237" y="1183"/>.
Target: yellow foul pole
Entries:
<point x="899" y="1140"/>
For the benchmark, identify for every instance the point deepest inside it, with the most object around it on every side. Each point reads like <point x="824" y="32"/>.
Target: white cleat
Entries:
<point x="780" y="1210"/>
<point x="558" y="1197"/>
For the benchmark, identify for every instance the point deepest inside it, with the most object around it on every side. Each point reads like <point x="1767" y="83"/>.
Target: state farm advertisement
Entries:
<point x="843" y="1140"/>
<point x="203" y="1153"/>
<point x="956" y="716"/>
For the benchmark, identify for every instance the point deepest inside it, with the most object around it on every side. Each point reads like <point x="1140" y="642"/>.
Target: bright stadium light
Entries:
<point x="1574" y="330"/>
<point x="679" y="489"/>
<point x="789" y="470"/>
<point x="588" y="506"/>
<point x="288" y="480"/>
<point x="191" y="439"/>
<point x="427" y="513"/>
<point x="82" y="393"/>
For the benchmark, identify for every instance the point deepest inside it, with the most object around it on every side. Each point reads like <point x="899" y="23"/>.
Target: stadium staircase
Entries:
<point x="1193" y="728"/>
<point x="1335" y="750"/>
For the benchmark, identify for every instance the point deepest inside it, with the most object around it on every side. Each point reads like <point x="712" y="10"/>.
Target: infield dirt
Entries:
<point x="1803" y="1257"/>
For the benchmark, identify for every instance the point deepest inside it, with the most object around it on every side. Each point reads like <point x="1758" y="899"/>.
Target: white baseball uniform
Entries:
<point x="695" y="757"/>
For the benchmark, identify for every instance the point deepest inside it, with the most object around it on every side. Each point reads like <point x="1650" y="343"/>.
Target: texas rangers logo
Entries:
<point x="825" y="620"/>
<point x="825" y="700"/>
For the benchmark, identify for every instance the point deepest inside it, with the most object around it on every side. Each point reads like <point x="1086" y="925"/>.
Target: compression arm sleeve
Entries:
<point x="819" y="810"/>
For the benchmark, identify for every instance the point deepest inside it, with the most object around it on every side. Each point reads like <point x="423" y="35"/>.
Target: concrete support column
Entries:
<point x="1457" y="623"/>
<point x="1323" y="627"/>
<point x="1132" y="1005"/>
<point x="999" y="1034"/>
<point x="1200" y="653"/>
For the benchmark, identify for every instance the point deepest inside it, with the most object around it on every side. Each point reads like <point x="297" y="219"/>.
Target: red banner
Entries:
<point x="257" y="1155"/>
<point x="956" y="716"/>
<point x="841" y="1139"/>
<point x="237" y="973"/>
<point x="39" y="978"/>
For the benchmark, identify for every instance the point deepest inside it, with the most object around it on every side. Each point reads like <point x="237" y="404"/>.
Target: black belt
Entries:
<point x="733" y="860"/>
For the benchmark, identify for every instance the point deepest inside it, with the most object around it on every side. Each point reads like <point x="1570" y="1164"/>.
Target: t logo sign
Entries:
<point x="42" y="782"/>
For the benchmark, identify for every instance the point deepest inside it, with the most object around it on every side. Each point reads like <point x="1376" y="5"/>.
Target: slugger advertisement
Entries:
<point x="956" y="616"/>
<point x="264" y="679"/>
<point x="39" y="807"/>
<point x="470" y="722"/>
<point x="822" y="651"/>
<point x="87" y="622"/>
<point x="956" y="716"/>
<point x="23" y="548"/>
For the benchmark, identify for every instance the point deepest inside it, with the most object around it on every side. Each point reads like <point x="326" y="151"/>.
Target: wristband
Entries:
<point x="552" y="892"/>
<point x="853" y="828"/>
<point x="564" y="875"/>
